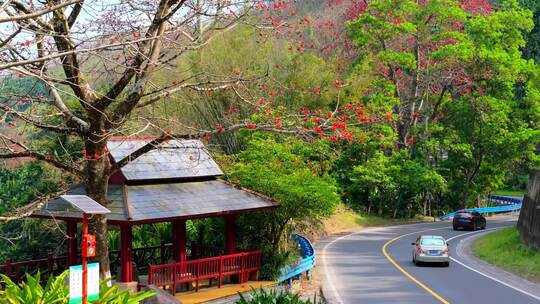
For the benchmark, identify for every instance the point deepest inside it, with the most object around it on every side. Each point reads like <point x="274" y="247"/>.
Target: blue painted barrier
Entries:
<point x="304" y="265"/>
<point x="507" y="204"/>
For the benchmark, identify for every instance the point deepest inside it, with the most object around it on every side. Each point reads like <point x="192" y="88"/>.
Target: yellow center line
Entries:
<point x="429" y="290"/>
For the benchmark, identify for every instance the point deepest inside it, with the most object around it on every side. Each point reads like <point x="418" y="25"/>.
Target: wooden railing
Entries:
<point x="142" y="258"/>
<point x="161" y="254"/>
<point x="46" y="266"/>
<point x="242" y="264"/>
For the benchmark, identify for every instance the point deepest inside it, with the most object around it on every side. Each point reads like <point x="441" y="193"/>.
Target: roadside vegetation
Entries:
<point x="386" y="113"/>
<point x="346" y="219"/>
<point x="262" y="296"/>
<point x="509" y="192"/>
<point x="505" y="249"/>
<point x="56" y="291"/>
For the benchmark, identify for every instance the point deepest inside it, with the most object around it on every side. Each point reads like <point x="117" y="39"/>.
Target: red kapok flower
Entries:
<point x="388" y="116"/>
<point x="251" y="126"/>
<point x="339" y="125"/>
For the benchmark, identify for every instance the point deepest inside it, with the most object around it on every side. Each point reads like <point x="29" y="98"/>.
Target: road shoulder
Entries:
<point x="466" y="256"/>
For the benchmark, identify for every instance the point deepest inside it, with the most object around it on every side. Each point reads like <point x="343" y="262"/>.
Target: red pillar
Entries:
<point x="125" y="254"/>
<point x="179" y="240"/>
<point x="230" y="233"/>
<point x="71" y="232"/>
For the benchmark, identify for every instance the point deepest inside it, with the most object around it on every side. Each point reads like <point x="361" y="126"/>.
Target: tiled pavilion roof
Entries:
<point x="177" y="180"/>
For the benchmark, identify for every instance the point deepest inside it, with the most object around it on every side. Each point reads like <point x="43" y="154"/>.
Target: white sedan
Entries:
<point x="430" y="249"/>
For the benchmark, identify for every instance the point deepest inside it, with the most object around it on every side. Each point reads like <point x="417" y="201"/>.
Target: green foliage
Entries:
<point x="20" y="185"/>
<point x="56" y="291"/>
<point x="292" y="172"/>
<point x="31" y="290"/>
<point x="396" y="185"/>
<point x="483" y="142"/>
<point x="27" y="238"/>
<point x="112" y="294"/>
<point x="282" y="171"/>
<point x="262" y="296"/>
<point x="469" y="135"/>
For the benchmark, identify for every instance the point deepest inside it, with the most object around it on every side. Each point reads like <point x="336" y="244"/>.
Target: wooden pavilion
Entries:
<point x="176" y="182"/>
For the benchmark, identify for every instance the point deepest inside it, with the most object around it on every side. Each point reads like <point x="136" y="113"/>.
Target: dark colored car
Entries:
<point x="469" y="219"/>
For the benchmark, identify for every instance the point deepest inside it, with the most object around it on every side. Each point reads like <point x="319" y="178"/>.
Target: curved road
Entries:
<point x="356" y="269"/>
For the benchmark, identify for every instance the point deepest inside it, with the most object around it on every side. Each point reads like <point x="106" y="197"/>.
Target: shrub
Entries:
<point x="56" y="291"/>
<point x="262" y="296"/>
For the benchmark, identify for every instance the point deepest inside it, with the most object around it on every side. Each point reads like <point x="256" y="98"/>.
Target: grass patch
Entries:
<point x="346" y="219"/>
<point x="509" y="192"/>
<point x="504" y="249"/>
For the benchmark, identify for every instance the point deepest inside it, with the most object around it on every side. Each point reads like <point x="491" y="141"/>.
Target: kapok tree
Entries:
<point x="85" y="71"/>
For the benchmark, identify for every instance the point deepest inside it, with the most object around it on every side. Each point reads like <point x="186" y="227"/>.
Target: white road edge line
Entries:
<point x="331" y="286"/>
<point x="328" y="279"/>
<point x="486" y="275"/>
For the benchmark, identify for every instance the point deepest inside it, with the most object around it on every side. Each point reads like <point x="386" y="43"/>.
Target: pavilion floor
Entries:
<point x="226" y="291"/>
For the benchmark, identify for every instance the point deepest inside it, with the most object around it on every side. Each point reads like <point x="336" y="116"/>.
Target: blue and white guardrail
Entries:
<point x="506" y="204"/>
<point x="304" y="265"/>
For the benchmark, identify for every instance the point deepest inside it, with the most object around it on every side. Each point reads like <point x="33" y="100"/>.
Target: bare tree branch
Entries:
<point x="32" y="207"/>
<point x="38" y="124"/>
<point x="38" y="13"/>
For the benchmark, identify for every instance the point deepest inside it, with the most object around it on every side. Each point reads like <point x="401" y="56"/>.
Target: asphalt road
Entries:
<point x="356" y="270"/>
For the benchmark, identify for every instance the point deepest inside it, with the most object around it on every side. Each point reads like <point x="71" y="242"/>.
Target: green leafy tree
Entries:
<point x="437" y="50"/>
<point x="483" y="143"/>
<point x="282" y="170"/>
<point x="287" y="170"/>
<point x="453" y="67"/>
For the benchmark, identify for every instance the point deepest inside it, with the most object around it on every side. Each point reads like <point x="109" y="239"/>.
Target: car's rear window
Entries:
<point x="433" y="242"/>
<point x="463" y="214"/>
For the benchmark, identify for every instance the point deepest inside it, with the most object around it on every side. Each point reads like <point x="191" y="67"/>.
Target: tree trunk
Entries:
<point x="96" y="188"/>
<point x="529" y="217"/>
<point x="424" y="203"/>
<point x="465" y="197"/>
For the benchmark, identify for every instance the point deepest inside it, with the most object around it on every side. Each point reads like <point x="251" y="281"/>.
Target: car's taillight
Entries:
<point x="419" y="250"/>
<point x="469" y="217"/>
<point x="445" y="250"/>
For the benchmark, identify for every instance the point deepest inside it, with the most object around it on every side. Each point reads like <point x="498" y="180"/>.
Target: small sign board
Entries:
<point x="75" y="283"/>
